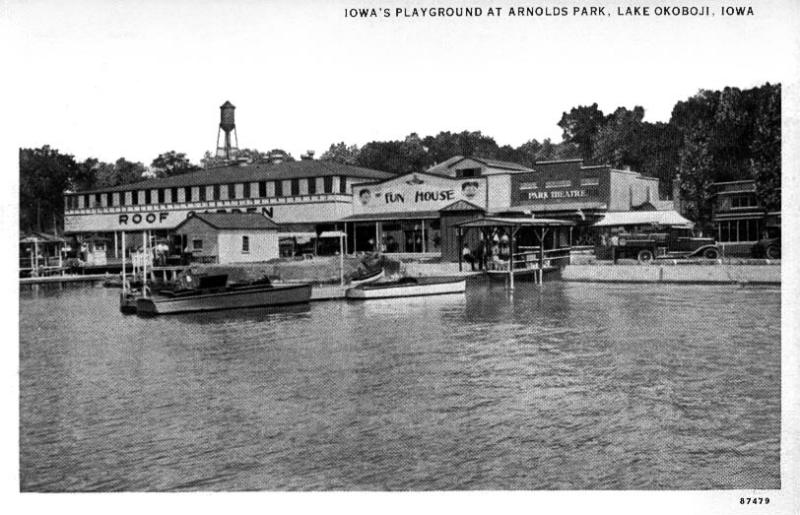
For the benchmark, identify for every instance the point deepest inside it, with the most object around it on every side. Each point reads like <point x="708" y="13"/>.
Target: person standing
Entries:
<point x="467" y="256"/>
<point x="614" y="245"/>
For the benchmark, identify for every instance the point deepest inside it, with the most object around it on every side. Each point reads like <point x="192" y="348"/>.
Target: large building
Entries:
<point x="413" y="213"/>
<point x="302" y="197"/>
<point x="739" y="219"/>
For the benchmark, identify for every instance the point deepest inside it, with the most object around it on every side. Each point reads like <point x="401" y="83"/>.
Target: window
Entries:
<point x="742" y="201"/>
<point x="174" y="194"/>
<point x="278" y="188"/>
<point x="295" y="187"/>
<point x="328" y="184"/>
<point x="590" y="181"/>
<point x="161" y="195"/>
<point x="187" y="193"/>
<point x="97" y="199"/>
<point x="342" y="184"/>
<point x="245" y="244"/>
<point x="312" y="186"/>
<point x="231" y="191"/>
<point x="468" y="172"/>
<point x="216" y="192"/>
<point x="123" y="198"/>
<point x="197" y="244"/>
<point x="135" y="198"/>
<point x="109" y="199"/>
<point x="203" y="193"/>
<point x="147" y="197"/>
<point x="247" y="190"/>
<point x="262" y="189"/>
<point x="558" y="184"/>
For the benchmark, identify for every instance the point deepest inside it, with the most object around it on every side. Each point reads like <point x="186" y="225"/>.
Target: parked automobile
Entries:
<point x="669" y="242"/>
<point x="770" y="246"/>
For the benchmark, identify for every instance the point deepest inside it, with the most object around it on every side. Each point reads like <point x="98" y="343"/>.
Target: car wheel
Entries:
<point x="773" y="252"/>
<point x="645" y="256"/>
<point x="710" y="254"/>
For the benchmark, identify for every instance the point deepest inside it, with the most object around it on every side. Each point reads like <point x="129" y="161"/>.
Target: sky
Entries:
<point x="135" y="79"/>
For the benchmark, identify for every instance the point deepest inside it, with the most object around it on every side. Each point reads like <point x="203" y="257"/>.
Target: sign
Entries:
<point x="126" y="219"/>
<point x="417" y="192"/>
<point x="528" y="189"/>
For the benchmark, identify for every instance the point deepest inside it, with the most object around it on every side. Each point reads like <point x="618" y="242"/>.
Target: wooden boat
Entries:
<point x="366" y="278"/>
<point x="408" y="287"/>
<point x="213" y="293"/>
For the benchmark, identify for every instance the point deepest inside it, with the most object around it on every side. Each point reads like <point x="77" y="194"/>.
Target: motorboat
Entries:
<point x="366" y="278"/>
<point x="214" y="293"/>
<point x="408" y="287"/>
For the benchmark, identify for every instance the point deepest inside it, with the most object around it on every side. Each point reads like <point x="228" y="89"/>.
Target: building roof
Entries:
<point x="397" y="215"/>
<point x="234" y="221"/>
<point x="619" y="218"/>
<point x="252" y="173"/>
<point x="496" y="221"/>
<point x="462" y="205"/>
<point x="40" y="237"/>
<point x="443" y="167"/>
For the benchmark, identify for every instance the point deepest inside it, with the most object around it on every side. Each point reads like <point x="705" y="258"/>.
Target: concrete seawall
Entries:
<point x="698" y="274"/>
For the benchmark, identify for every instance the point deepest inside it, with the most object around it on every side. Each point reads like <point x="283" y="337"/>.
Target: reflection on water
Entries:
<point x="567" y="386"/>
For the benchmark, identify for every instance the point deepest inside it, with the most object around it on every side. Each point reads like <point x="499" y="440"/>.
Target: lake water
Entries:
<point x="565" y="386"/>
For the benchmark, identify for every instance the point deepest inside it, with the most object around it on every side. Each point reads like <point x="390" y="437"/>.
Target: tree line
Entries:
<point x="713" y="136"/>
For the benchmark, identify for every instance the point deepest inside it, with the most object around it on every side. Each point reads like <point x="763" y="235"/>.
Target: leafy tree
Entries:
<point x="44" y="175"/>
<point x="581" y="126"/>
<point x="341" y="153"/>
<point x="766" y="147"/>
<point x="172" y="163"/>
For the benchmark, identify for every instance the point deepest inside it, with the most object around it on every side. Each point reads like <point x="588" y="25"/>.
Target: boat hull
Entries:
<point x="422" y="288"/>
<point x="231" y="299"/>
<point x="367" y="280"/>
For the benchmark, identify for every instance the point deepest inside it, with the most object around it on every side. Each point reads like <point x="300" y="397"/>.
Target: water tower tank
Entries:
<point x="226" y="116"/>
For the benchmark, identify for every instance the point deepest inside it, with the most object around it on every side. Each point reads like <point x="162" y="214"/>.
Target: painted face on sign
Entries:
<point x="364" y="195"/>
<point x="469" y="189"/>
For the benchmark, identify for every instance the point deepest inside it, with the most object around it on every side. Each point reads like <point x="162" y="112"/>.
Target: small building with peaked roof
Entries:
<point x="228" y="237"/>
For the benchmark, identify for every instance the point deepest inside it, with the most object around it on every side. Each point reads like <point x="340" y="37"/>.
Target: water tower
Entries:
<point x="227" y="125"/>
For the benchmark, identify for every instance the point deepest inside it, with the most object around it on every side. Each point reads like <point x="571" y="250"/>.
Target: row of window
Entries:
<point x="233" y="191"/>
<point x="739" y="230"/>
<point x="566" y="183"/>
<point x="739" y="201"/>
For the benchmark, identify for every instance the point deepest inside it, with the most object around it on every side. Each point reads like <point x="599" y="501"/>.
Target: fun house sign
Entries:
<point x="417" y="192"/>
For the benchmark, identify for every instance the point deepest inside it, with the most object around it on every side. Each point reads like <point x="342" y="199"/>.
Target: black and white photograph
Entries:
<point x="468" y="255"/>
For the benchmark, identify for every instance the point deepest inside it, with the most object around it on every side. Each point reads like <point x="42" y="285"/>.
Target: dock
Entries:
<point x="672" y="273"/>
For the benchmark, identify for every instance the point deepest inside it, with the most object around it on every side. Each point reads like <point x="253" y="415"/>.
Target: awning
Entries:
<point x="301" y="237"/>
<point x="393" y="216"/>
<point x="565" y="206"/>
<point x="496" y="221"/>
<point x="619" y="218"/>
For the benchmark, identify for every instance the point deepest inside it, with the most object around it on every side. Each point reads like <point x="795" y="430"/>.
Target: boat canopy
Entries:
<point x="619" y="218"/>
<point x="495" y="221"/>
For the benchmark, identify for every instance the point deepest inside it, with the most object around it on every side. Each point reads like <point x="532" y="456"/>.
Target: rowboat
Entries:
<point x="366" y="278"/>
<point x="408" y="287"/>
<point x="215" y="294"/>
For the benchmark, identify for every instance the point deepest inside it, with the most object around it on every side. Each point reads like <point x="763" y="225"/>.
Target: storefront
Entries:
<point x="412" y="214"/>
<point x="738" y="218"/>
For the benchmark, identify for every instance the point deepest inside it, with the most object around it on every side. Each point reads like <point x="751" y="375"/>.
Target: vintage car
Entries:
<point x="770" y="246"/>
<point x="670" y="242"/>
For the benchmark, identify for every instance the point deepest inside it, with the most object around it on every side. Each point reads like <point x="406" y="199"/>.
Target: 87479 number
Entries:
<point x="754" y="500"/>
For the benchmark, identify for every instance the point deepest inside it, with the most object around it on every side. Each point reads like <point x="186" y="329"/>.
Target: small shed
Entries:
<point x="229" y="237"/>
